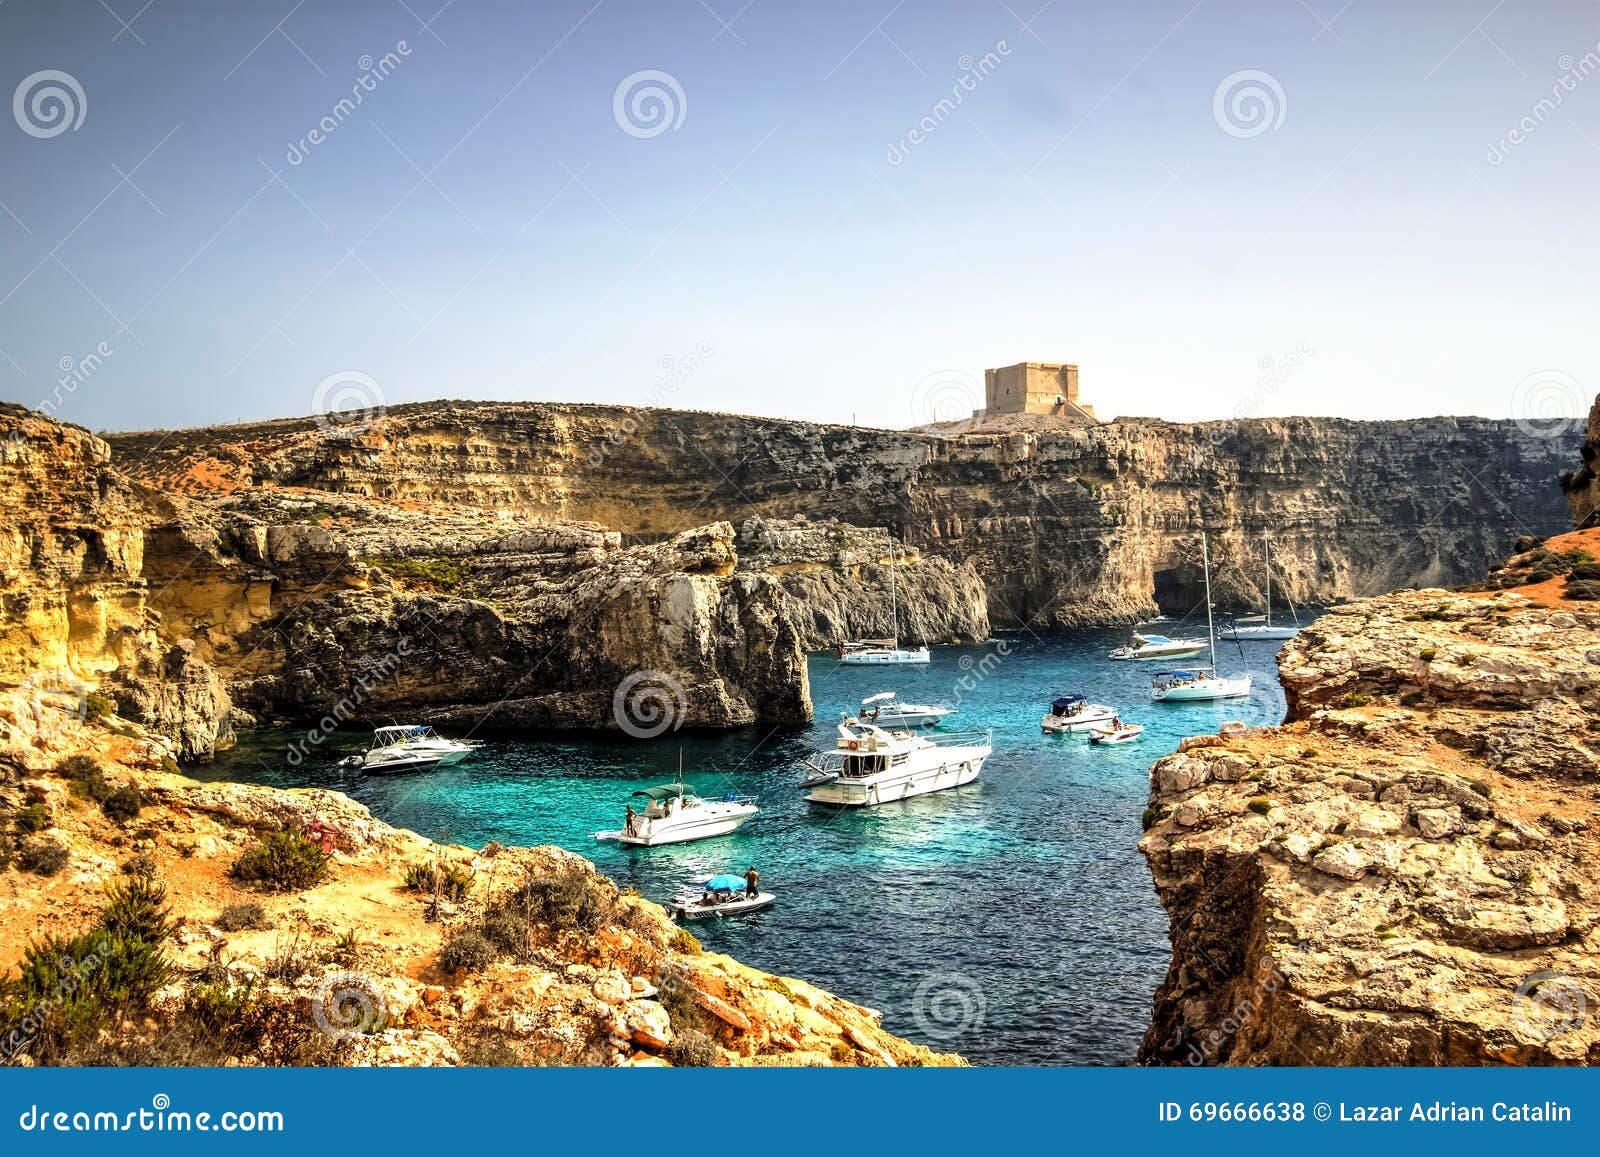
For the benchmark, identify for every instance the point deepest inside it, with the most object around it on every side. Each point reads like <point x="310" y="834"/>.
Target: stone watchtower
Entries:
<point x="1035" y="388"/>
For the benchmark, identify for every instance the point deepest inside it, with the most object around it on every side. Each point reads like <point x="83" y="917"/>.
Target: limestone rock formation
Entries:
<point x="1406" y="871"/>
<point x="1583" y="484"/>
<point x="1064" y="526"/>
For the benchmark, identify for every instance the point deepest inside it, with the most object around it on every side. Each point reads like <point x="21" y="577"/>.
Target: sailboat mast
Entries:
<point x="1211" y="630"/>
<point x="894" y="608"/>
<point x="1266" y="545"/>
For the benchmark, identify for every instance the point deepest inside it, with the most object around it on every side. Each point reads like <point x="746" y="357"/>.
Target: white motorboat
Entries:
<point x="1075" y="713"/>
<point x="1261" y="626"/>
<point x="886" y="710"/>
<point x="1110" y="736"/>
<point x="884" y="652"/>
<point x="408" y="747"/>
<point x="1201" y="684"/>
<point x="721" y="896"/>
<point x="870" y="765"/>
<point x="1159" y="647"/>
<point x="673" y="814"/>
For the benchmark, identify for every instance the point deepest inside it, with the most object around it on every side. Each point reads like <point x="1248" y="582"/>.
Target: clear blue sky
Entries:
<point x="482" y="226"/>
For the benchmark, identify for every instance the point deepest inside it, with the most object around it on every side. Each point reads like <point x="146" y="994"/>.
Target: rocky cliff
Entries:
<point x="1064" y="525"/>
<point x="1406" y="871"/>
<point x="1583" y="484"/>
<point x="149" y="919"/>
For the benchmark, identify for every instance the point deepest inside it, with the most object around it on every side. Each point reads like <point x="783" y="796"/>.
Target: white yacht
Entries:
<point x="886" y="710"/>
<point x="1075" y="713"/>
<point x="673" y="814"/>
<point x="720" y="896"/>
<point x="869" y="765"/>
<point x="408" y="747"/>
<point x="1158" y="647"/>
<point x="1262" y="626"/>
<point x="884" y="652"/>
<point x="1202" y="684"/>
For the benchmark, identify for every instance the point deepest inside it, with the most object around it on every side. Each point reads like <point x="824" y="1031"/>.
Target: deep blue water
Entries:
<point x="1011" y="920"/>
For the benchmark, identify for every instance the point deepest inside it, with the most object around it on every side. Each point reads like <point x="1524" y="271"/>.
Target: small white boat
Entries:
<point x="1159" y="647"/>
<point x="869" y="765"/>
<point x="1261" y="626"/>
<point x="673" y="814"/>
<point x="1111" y="735"/>
<point x="886" y="710"/>
<point x="722" y="896"/>
<point x="408" y="747"/>
<point x="1075" y="713"/>
<point x="1201" y="684"/>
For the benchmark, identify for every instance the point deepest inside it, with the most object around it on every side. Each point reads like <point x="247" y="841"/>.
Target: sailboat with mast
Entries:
<point x="884" y="652"/>
<point x="1200" y="684"/>
<point x="1262" y="626"/>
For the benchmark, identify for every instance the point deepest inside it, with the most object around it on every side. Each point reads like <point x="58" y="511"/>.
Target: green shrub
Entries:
<point x="443" y="878"/>
<point x="683" y="941"/>
<point x="572" y="899"/>
<point x="283" y="861"/>
<point x="71" y="988"/>
<point x="136" y="909"/>
<point x="1354" y="699"/>
<point x="1428" y="655"/>
<point x="468" y="949"/>
<point x="444" y="573"/>
<point x="142" y="865"/>
<point x="510" y="932"/>
<point x="1587" y="589"/>
<point x="78" y="767"/>
<point x="677" y="996"/>
<point x="44" y="857"/>
<point x="123" y="804"/>
<point x="247" y="917"/>
<point x="692" y="1049"/>
<point x="219" y="1009"/>
<point x="1261" y="805"/>
<point x="97" y="706"/>
<point x="34" y="818"/>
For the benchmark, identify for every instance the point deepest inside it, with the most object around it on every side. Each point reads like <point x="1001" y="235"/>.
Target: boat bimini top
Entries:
<point x="1068" y="704"/>
<point x="878" y="698"/>
<point x="386" y="736"/>
<point x="667" y="791"/>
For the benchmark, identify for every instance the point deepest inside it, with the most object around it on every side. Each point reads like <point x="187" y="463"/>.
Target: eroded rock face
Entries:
<point x="1404" y="873"/>
<point x="1583" y="484"/>
<point x="1064" y="526"/>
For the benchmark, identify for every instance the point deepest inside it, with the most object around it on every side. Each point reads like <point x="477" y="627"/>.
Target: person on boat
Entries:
<point x="752" y="883"/>
<point x="1116" y="722"/>
<point x="629" y="821"/>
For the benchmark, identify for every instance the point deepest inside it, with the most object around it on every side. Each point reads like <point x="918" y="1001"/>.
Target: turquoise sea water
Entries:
<point x="1011" y="920"/>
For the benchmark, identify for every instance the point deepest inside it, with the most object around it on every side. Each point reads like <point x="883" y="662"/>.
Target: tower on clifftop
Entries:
<point x="1035" y="388"/>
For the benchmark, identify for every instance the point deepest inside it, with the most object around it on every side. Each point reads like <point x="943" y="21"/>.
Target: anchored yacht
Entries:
<point x="884" y="652"/>
<point x="1158" y="647"/>
<point x="673" y="814"/>
<point x="1262" y="626"/>
<point x="870" y="765"/>
<point x="886" y="710"/>
<point x="408" y="747"/>
<point x="1201" y="684"/>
